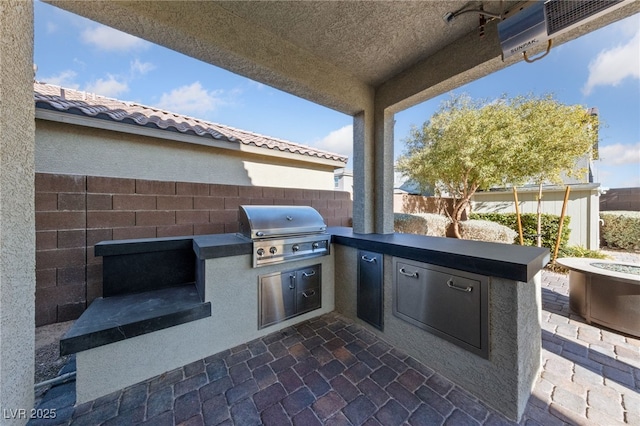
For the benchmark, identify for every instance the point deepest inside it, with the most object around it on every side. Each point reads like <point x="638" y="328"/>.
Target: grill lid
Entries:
<point x="279" y="221"/>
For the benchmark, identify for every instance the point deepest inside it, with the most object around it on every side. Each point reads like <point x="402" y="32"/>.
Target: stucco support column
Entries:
<point x="384" y="168"/>
<point x="363" y="173"/>
<point x="17" y="223"/>
<point x="373" y="172"/>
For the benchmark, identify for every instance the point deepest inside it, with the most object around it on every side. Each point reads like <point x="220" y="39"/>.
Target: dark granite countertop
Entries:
<point x="138" y="245"/>
<point x="221" y="245"/>
<point x="492" y="259"/>
<point x="116" y="318"/>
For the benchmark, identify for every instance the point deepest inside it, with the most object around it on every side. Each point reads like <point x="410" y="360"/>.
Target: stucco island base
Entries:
<point x="232" y="289"/>
<point x="505" y="380"/>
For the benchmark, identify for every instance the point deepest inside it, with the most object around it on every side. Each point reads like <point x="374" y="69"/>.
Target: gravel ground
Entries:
<point x="623" y="256"/>
<point x="48" y="361"/>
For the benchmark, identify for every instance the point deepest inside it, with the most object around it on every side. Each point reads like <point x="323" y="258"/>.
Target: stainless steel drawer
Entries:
<point x="308" y="278"/>
<point x="449" y="303"/>
<point x="284" y="295"/>
<point x="307" y="300"/>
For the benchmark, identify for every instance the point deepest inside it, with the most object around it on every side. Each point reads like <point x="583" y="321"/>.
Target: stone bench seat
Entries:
<point x="111" y="319"/>
<point x="148" y="285"/>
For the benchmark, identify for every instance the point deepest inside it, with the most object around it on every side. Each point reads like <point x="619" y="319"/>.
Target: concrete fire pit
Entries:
<point x="605" y="292"/>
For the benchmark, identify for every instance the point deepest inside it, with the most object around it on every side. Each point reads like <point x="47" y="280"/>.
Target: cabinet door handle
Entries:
<point x="292" y="282"/>
<point x="408" y="274"/>
<point x="311" y="293"/>
<point x="368" y="259"/>
<point x="452" y="285"/>
<point x="310" y="274"/>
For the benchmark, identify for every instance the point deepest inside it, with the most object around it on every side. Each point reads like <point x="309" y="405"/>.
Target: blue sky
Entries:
<point x="601" y="69"/>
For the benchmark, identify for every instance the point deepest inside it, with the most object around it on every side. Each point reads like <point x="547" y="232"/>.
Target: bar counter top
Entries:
<point x="490" y="259"/>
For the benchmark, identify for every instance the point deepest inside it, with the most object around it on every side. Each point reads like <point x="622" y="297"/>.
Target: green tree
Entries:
<point x="471" y="145"/>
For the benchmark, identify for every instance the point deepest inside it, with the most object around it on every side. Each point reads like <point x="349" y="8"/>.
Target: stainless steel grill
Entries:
<point x="284" y="233"/>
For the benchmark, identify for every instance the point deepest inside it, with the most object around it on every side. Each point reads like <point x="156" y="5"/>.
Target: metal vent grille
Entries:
<point x="561" y="14"/>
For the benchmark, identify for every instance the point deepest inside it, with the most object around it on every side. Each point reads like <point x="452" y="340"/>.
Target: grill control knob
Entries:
<point x="315" y="245"/>
<point x="295" y="247"/>
<point x="273" y="250"/>
<point x="260" y="251"/>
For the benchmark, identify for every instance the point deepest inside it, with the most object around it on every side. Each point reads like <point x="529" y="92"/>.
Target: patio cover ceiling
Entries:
<point x="335" y="53"/>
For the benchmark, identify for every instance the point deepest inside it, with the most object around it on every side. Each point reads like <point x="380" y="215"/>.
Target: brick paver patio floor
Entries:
<point x="331" y="371"/>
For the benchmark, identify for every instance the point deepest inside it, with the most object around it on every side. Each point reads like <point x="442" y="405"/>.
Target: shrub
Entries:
<point x="579" y="251"/>
<point x="409" y="224"/>
<point x="484" y="230"/>
<point x="431" y="224"/>
<point x="437" y="224"/>
<point x="549" y="226"/>
<point x="620" y="229"/>
<point x="574" y="251"/>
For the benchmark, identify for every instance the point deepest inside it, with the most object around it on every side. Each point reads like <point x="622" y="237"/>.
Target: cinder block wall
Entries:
<point x="75" y="212"/>
<point x="620" y="199"/>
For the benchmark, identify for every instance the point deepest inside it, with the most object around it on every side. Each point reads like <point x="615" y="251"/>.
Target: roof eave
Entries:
<point x="99" y="123"/>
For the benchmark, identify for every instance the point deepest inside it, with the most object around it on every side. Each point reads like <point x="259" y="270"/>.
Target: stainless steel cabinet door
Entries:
<point x="446" y="302"/>
<point x="449" y="303"/>
<point x="370" y="288"/>
<point x="277" y="298"/>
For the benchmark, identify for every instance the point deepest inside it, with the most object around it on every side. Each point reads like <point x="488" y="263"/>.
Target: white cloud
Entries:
<point x="192" y="99"/>
<point x="613" y="65"/>
<point x="52" y="27"/>
<point x="256" y="85"/>
<point x="80" y="64"/>
<point x="65" y="78"/>
<point x="109" y="39"/>
<point x="339" y="141"/>
<point x="628" y="26"/>
<point x="141" y="68"/>
<point x="619" y="154"/>
<point x="110" y="87"/>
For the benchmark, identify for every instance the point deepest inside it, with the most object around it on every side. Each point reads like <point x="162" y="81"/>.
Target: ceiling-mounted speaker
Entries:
<point x="542" y="21"/>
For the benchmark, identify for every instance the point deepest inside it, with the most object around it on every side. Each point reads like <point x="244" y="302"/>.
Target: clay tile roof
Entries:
<point x="57" y="98"/>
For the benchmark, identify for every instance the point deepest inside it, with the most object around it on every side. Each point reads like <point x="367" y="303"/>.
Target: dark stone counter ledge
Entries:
<point x="221" y="245"/>
<point x="491" y="259"/>
<point x="111" y="319"/>
<point x="141" y="245"/>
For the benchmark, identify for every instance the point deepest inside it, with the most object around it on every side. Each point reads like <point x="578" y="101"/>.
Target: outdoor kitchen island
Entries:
<point x="502" y="376"/>
<point x="492" y="352"/>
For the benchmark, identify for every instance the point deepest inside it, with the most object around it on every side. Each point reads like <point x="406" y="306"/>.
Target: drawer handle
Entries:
<point x="369" y="259"/>
<point x="311" y="293"/>
<point x="310" y="274"/>
<point x="407" y="274"/>
<point x="467" y="289"/>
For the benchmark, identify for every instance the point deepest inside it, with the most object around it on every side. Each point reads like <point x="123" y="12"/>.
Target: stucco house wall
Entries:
<point x="71" y="149"/>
